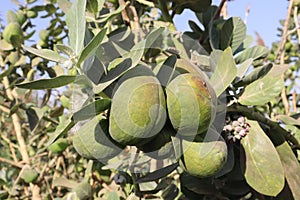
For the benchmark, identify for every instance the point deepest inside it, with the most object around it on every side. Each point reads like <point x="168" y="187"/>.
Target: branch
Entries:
<point x="250" y="113"/>
<point x="281" y="53"/>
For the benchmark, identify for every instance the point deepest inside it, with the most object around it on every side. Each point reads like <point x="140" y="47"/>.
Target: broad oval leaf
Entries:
<point x="48" y="83"/>
<point x="238" y="33"/>
<point x="75" y="19"/>
<point x="225" y="72"/>
<point x="255" y="52"/>
<point x="261" y="163"/>
<point x="243" y="68"/>
<point x="291" y="167"/>
<point x="288" y="120"/>
<point x="47" y="54"/>
<point x="257" y="73"/>
<point x="262" y="91"/>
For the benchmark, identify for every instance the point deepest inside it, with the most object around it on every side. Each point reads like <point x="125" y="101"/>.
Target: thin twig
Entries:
<point x="281" y="53"/>
<point x="18" y="165"/>
<point x="296" y="21"/>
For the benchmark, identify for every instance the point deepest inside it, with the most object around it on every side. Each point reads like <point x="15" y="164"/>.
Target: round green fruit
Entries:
<point x="59" y="145"/>
<point x="138" y="109"/>
<point x="92" y="141"/>
<point x="13" y="34"/>
<point x="205" y="158"/>
<point x="160" y="147"/>
<point x="191" y="104"/>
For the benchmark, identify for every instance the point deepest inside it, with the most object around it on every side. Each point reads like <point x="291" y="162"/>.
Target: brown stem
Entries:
<point x="281" y="53"/>
<point x="11" y="162"/>
<point x="296" y="21"/>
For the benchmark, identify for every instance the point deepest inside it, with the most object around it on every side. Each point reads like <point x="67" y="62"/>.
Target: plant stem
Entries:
<point x="250" y="113"/>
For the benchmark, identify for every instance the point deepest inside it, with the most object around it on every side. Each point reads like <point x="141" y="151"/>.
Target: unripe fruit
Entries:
<point x="92" y="141"/>
<point x="161" y="146"/>
<point x="13" y="34"/>
<point x="204" y="158"/>
<point x="138" y="109"/>
<point x="191" y="104"/>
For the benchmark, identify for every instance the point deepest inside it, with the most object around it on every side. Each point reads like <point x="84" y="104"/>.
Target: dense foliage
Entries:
<point x="112" y="102"/>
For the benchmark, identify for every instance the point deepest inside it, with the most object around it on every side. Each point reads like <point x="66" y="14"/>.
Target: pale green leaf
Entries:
<point x="255" y="74"/>
<point x="75" y="19"/>
<point x="108" y="16"/>
<point x="146" y="3"/>
<point x="238" y="33"/>
<point x="48" y="83"/>
<point x="92" y="109"/>
<point x="64" y="126"/>
<point x="255" y="52"/>
<point x="265" y="89"/>
<point x="65" y="49"/>
<point x="288" y="120"/>
<point x="224" y="73"/>
<point x="262" y="167"/>
<point x="47" y="54"/>
<point x="243" y="68"/>
<point x="91" y="46"/>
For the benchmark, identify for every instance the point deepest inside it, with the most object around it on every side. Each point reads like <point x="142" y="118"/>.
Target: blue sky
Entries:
<point x="264" y="16"/>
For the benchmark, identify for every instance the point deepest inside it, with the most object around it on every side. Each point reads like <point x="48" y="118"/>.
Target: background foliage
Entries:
<point x="38" y="78"/>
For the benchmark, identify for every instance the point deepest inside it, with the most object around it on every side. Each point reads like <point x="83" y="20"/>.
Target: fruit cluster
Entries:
<point x="148" y="115"/>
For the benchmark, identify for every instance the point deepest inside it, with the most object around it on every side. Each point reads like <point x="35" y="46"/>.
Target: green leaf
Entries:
<point x="65" y="49"/>
<point x="261" y="163"/>
<point x="91" y="46"/>
<point x="75" y="19"/>
<point x="108" y="16"/>
<point x="243" y="68"/>
<point x="166" y="71"/>
<point x="225" y="72"/>
<point x="158" y="174"/>
<point x="92" y="109"/>
<point x="291" y="167"/>
<point x="288" y="120"/>
<point x="238" y="33"/>
<point x="63" y="128"/>
<point x="130" y="60"/>
<point x="255" y="74"/>
<point x="48" y="83"/>
<point x="255" y="52"/>
<point x="47" y="54"/>
<point x="113" y="196"/>
<point x="265" y="89"/>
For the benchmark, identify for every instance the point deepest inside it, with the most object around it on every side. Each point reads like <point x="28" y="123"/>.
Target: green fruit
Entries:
<point x="92" y="141"/>
<point x="13" y="34"/>
<point x="160" y="147"/>
<point x="138" y="109"/>
<point x="32" y="14"/>
<point x="204" y="158"/>
<point x="29" y="175"/>
<point x="44" y="34"/>
<point x="191" y="104"/>
<point x="59" y="145"/>
<point x="83" y="191"/>
<point x="21" y="17"/>
<point x="11" y="17"/>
